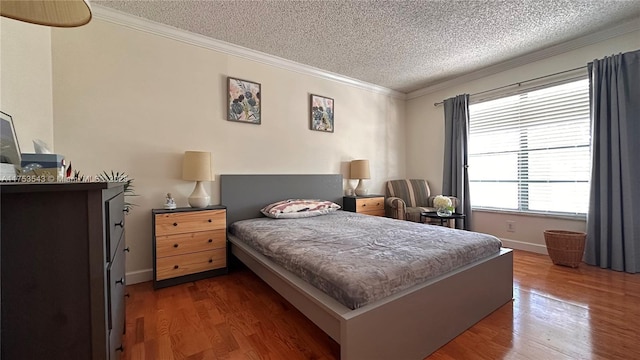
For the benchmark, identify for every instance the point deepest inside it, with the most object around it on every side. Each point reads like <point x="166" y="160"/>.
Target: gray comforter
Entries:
<point x="358" y="259"/>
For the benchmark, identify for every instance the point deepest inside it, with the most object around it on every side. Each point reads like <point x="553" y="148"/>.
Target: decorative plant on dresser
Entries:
<point x="63" y="270"/>
<point x="188" y="244"/>
<point x="120" y="177"/>
<point x="74" y="175"/>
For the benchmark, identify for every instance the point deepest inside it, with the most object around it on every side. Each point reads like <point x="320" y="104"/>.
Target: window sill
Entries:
<point x="581" y="217"/>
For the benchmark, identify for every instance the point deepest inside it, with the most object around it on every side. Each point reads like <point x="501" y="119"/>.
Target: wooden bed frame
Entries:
<point x="408" y="325"/>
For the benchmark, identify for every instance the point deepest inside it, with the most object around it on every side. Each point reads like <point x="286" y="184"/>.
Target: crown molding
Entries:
<point x="554" y="50"/>
<point x="152" y="27"/>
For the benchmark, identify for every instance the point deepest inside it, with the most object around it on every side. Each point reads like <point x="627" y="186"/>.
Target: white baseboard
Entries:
<point x="520" y="245"/>
<point x="139" y="276"/>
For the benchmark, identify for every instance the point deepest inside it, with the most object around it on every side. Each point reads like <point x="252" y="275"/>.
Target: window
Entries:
<point x="531" y="152"/>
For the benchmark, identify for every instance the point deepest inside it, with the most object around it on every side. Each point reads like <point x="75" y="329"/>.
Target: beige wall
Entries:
<point x="425" y="142"/>
<point x="25" y="78"/>
<point x="133" y="101"/>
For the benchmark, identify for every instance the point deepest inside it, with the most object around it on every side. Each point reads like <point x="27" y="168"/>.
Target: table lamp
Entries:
<point x="360" y="170"/>
<point x="196" y="166"/>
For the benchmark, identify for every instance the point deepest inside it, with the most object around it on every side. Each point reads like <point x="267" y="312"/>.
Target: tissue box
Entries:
<point x="43" y="160"/>
<point x="43" y="167"/>
<point x="8" y="172"/>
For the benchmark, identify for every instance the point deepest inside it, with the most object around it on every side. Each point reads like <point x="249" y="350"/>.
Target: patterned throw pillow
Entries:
<point x="298" y="208"/>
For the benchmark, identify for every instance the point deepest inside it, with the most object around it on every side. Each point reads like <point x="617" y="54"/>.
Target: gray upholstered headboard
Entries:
<point x="245" y="195"/>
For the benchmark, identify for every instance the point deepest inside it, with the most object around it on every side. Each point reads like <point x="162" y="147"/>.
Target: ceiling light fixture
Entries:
<point x="59" y="13"/>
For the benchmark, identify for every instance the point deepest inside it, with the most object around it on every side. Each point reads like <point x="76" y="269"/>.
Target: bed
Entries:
<point x="409" y="324"/>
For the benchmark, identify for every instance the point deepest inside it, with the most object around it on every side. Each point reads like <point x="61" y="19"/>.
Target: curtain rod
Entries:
<point x="519" y="83"/>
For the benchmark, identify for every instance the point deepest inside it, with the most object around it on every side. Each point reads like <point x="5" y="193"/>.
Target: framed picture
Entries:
<point x="322" y="113"/>
<point x="243" y="101"/>
<point x="9" y="148"/>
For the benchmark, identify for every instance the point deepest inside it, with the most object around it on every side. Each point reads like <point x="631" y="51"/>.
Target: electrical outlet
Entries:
<point x="511" y="226"/>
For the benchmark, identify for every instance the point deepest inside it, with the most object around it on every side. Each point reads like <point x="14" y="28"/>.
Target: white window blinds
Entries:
<point x="531" y="152"/>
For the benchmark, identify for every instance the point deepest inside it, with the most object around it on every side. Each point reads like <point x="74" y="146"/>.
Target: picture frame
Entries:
<point x="321" y="113"/>
<point x="9" y="147"/>
<point x="244" y="101"/>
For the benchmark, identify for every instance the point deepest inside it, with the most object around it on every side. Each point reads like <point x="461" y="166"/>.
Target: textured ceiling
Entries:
<point x="400" y="45"/>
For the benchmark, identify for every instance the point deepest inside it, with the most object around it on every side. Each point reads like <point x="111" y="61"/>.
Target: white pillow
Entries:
<point x="298" y="208"/>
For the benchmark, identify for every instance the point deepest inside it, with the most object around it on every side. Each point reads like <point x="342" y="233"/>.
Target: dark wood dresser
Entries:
<point x="62" y="270"/>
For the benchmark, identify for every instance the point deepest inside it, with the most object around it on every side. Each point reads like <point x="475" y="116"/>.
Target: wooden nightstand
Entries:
<point x="188" y="244"/>
<point x="369" y="204"/>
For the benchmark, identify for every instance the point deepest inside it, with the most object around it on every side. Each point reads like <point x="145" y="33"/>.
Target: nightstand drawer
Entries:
<point x="370" y="204"/>
<point x="171" y="245"/>
<point x="372" y="212"/>
<point x="184" y="222"/>
<point x="174" y="266"/>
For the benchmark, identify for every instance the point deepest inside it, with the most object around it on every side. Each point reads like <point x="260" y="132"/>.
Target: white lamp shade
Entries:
<point x="67" y="13"/>
<point x="196" y="166"/>
<point x="360" y="169"/>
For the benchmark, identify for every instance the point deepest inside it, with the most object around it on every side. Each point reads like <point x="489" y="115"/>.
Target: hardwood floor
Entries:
<point x="557" y="313"/>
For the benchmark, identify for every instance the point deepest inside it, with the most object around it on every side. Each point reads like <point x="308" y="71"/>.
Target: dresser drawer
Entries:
<point x="115" y="301"/>
<point x="178" y="223"/>
<point x="179" y="244"/>
<point x="179" y="265"/>
<point x="114" y="211"/>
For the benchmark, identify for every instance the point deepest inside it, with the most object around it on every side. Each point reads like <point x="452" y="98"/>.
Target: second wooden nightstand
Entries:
<point x="369" y="204"/>
<point x="188" y="244"/>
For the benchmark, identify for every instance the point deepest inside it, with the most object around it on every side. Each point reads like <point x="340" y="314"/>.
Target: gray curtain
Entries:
<point x="456" y="132"/>
<point x="613" y="222"/>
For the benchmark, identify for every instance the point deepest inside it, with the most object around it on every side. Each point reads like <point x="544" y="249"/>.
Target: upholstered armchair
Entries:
<point x="407" y="198"/>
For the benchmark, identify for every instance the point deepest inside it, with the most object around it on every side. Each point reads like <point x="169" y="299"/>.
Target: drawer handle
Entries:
<point x="120" y="348"/>
<point x="363" y="205"/>
<point x="126" y="249"/>
<point x="121" y="223"/>
<point x="121" y="281"/>
<point x="126" y="210"/>
<point x="175" y="224"/>
<point x="127" y="295"/>
<point x="210" y="240"/>
<point x="209" y="220"/>
<point x="210" y="260"/>
<point x="175" y="245"/>
<point x="175" y="266"/>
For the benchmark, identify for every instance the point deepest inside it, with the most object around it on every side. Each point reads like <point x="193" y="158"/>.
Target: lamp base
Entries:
<point x="199" y="197"/>
<point x="360" y="189"/>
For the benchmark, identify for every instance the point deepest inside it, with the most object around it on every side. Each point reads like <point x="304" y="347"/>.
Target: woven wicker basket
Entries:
<point x="565" y="247"/>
